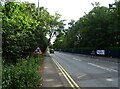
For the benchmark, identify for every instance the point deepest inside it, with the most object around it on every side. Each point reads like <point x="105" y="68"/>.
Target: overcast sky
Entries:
<point x="69" y="9"/>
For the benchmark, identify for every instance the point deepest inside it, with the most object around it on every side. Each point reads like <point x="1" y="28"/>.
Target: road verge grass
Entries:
<point x="24" y="74"/>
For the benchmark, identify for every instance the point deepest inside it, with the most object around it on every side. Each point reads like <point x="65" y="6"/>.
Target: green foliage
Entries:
<point x="99" y="29"/>
<point x="23" y="75"/>
<point x="24" y="30"/>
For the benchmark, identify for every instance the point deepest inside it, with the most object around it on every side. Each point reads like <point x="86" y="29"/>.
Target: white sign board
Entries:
<point x="101" y="52"/>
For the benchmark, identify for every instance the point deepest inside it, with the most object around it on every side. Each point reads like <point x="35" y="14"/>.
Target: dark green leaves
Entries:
<point x="98" y="29"/>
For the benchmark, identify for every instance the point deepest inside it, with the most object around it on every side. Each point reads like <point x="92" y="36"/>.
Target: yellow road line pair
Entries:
<point x="66" y="75"/>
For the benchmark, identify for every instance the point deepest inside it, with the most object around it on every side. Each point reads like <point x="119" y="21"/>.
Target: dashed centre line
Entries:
<point x="77" y="59"/>
<point x="109" y="79"/>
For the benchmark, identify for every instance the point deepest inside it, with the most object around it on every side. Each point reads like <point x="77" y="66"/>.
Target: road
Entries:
<point x="88" y="71"/>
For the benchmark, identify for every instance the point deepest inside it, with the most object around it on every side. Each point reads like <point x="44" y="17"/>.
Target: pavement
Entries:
<point x="51" y="75"/>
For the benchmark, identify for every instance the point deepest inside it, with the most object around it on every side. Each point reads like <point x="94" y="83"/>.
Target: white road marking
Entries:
<point x="46" y="67"/>
<point x="109" y="79"/>
<point x="102" y="67"/>
<point x="59" y="85"/>
<point x="60" y="74"/>
<point x="77" y="59"/>
<point x="49" y="80"/>
<point x="81" y="76"/>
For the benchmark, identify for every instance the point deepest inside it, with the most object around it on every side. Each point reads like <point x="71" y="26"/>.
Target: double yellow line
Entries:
<point x="66" y="75"/>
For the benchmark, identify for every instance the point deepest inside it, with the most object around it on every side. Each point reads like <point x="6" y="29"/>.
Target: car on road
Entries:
<point x="51" y="50"/>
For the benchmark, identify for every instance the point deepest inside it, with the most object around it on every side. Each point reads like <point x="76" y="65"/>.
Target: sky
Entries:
<point x="69" y="9"/>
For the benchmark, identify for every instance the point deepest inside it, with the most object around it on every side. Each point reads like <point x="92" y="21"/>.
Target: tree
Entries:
<point x="99" y="29"/>
<point x="24" y="30"/>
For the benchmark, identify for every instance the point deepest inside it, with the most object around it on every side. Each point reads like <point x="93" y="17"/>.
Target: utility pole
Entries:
<point x="38" y="8"/>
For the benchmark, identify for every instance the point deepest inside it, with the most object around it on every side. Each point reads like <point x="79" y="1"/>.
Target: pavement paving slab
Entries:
<point x="51" y="77"/>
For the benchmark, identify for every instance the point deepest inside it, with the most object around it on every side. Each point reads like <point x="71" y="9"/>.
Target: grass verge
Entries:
<point x="24" y="74"/>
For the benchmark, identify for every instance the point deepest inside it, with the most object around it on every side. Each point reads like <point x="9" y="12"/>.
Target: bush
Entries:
<point x="24" y="75"/>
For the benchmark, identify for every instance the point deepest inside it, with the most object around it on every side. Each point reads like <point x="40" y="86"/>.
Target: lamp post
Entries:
<point x="38" y="8"/>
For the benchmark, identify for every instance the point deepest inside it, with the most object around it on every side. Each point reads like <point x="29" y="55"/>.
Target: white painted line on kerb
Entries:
<point x="102" y="67"/>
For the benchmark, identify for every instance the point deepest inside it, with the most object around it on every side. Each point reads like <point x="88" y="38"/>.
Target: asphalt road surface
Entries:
<point x="89" y="71"/>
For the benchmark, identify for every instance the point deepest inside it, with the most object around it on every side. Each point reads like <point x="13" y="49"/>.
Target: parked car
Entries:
<point x="51" y="50"/>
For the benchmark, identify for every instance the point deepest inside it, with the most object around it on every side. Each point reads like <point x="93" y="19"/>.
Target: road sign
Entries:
<point x="37" y="51"/>
<point x="101" y="52"/>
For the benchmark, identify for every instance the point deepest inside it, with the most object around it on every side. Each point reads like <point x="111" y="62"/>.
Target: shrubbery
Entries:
<point x="24" y="75"/>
